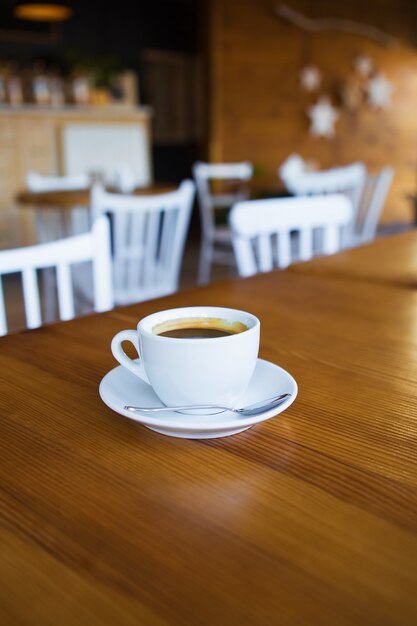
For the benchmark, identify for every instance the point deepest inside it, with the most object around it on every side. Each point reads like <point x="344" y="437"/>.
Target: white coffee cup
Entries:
<point x="193" y="371"/>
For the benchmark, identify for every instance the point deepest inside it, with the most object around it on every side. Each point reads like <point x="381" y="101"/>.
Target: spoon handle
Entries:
<point x="253" y="409"/>
<point x="160" y="409"/>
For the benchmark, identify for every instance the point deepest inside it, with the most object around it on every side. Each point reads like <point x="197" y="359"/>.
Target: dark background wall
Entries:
<point x="121" y="30"/>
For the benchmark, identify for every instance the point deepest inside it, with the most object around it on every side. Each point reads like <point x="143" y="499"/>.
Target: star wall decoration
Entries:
<point x="379" y="90"/>
<point x="310" y="78"/>
<point x="323" y="117"/>
<point x="363" y="65"/>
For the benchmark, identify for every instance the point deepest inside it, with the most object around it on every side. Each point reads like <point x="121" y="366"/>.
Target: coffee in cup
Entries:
<point x="194" y="355"/>
<point x="198" y="328"/>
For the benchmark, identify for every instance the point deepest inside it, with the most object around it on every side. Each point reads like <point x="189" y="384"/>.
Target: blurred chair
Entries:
<point x="263" y="230"/>
<point x="56" y="223"/>
<point x="93" y="246"/>
<point x="292" y="168"/>
<point x="216" y="242"/>
<point x="38" y="182"/>
<point x="349" y="180"/>
<point x="372" y="201"/>
<point x="148" y="239"/>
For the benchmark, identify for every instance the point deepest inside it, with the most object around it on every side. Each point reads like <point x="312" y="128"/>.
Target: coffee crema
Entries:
<point x="198" y="328"/>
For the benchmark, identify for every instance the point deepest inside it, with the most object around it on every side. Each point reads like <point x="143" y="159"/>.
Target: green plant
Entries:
<point x="103" y="70"/>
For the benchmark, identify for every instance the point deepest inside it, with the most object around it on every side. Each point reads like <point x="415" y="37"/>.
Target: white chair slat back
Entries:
<point x="31" y="297"/>
<point x="265" y="253"/>
<point x="65" y="294"/>
<point x="209" y="202"/>
<point x="306" y="243"/>
<point x="331" y="239"/>
<point x="372" y="202"/>
<point x="205" y="172"/>
<point x="283" y="248"/>
<point x="93" y="246"/>
<point x="3" y="319"/>
<point x="344" y="179"/>
<point x="149" y="235"/>
<point x="256" y="222"/>
<point x="349" y="180"/>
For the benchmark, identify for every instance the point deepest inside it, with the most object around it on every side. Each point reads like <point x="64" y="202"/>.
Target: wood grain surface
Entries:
<point x="77" y="197"/>
<point x="307" y="519"/>
<point x="258" y="110"/>
<point x="390" y="260"/>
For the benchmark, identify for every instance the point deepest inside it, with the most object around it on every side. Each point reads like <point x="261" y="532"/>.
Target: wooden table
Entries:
<point x="390" y="259"/>
<point x="79" y="197"/>
<point x="53" y="211"/>
<point x="307" y="519"/>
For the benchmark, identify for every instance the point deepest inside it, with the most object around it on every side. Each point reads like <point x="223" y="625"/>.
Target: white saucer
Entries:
<point x="119" y="388"/>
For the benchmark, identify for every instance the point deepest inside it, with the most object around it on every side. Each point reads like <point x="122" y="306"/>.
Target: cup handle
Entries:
<point x="120" y="355"/>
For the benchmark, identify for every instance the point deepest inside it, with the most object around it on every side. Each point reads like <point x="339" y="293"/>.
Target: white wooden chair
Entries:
<point x="336" y="180"/>
<point x="148" y="239"/>
<point x="54" y="223"/>
<point x="292" y="168"/>
<point x="216" y="241"/>
<point x="263" y="230"/>
<point x="349" y="180"/>
<point x="39" y="182"/>
<point x="92" y="246"/>
<point x="372" y="201"/>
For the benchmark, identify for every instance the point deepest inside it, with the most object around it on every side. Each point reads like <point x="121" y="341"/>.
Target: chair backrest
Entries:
<point x="39" y="183"/>
<point x="349" y="180"/>
<point x="93" y="246"/>
<point x="208" y="201"/>
<point x="292" y="168"/>
<point x="262" y="230"/>
<point x="371" y="204"/>
<point x="335" y="180"/>
<point x="148" y="239"/>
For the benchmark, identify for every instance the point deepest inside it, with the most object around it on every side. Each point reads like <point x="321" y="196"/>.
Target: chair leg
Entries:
<point x="79" y="221"/>
<point x="204" y="266"/>
<point x="41" y="226"/>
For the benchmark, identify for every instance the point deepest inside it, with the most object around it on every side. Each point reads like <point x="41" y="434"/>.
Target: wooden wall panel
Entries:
<point x="257" y="109"/>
